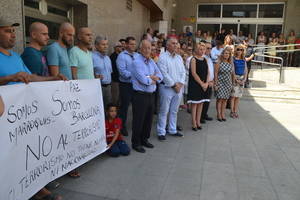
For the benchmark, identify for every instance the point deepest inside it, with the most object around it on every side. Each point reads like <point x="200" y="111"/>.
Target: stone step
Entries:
<point x="277" y="93"/>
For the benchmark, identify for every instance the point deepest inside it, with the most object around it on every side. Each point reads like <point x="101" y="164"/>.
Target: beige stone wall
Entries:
<point x="12" y="10"/>
<point x="292" y="17"/>
<point x="111" y="18"/>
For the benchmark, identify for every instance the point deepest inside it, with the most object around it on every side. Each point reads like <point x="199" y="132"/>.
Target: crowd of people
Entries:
<point x="153" y="78"/>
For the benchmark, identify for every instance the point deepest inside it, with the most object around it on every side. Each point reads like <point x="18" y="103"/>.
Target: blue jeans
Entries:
<point x="169" y="104"/>
<point x="119" y="148"/>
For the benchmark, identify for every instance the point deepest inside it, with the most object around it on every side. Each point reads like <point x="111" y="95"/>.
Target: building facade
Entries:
<point x="249" y="16"/>
<point x="112" y="18"/>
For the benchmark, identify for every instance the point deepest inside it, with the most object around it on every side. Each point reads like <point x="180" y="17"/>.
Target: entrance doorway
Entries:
<point x="246" y="17"/>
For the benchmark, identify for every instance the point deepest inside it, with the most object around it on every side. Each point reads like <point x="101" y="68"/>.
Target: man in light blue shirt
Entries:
<point x="80" y="57"/>
<point x="103" y="67"/>
<point x="145" y="75"/>
<point x="170" y="90"/>
<point x="57" y="53"/>
<point x="124" y="64"/>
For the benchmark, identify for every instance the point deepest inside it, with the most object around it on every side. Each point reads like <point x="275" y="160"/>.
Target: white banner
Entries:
<point x="46" y="130"/>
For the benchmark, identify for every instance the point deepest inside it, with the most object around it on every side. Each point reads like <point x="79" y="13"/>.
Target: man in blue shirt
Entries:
<point x="13" y="70"/>
<point x="33" y="56"/>
<point x="57" y="53"/>
<point x="102" y="67"/>
<point x="10" y="62"/>
<point x="124" y="64"/>
<point x="170" y="90"/>
<point x="145" y="74"/>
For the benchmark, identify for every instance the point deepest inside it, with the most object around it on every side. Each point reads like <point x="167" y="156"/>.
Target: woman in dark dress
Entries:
<point x="198" y="84"/>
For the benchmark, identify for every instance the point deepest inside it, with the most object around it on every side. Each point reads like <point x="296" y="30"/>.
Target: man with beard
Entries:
<point x="81" y="61"/>
<point x="57" y="53"/>
<point x="33" y="56"/>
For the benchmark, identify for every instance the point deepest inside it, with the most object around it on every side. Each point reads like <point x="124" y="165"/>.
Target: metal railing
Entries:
<point x="265" y="53"/>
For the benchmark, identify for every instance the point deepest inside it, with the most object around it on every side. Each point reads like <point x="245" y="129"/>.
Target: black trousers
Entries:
<point x="142" y="110"/>
<point x="126" y="92"/>
<point x="206" y="104"/>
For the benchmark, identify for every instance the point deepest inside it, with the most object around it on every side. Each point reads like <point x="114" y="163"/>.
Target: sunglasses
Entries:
<point x="208" y="48"/>
<point x="240" y="49"/>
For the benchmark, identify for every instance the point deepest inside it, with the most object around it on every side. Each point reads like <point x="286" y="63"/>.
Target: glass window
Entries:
<point x="31" y="4"/>
<point x="228" y="27"/>
<point x="271" y="10"/>
<point x="241" y="11"/>
<point x="57" y="11"/>
<point x="269" y="28"/>
<point x="212" y="28"/>
<point x="209" y="11"/>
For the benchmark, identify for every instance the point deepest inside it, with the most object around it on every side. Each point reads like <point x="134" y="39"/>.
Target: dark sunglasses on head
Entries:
<point x="240" y="49"/>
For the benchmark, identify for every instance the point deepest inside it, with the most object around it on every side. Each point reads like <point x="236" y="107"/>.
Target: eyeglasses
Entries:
<point x="208" y="48"/>
<point x="239" y="49"/>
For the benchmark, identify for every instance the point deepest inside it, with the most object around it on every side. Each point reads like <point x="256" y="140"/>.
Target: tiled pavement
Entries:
<point x="256" y="157"/>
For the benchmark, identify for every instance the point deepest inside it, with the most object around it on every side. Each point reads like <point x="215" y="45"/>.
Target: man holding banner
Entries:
<point x="10" y="62"/>
<point x="13" y="70"/>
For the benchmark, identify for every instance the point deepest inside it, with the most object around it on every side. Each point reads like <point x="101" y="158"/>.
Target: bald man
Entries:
<point x="145" y="75"/>
<point x="57" y="53"/>
<point x="81" y="61"/>
<point x="32" y="56"/>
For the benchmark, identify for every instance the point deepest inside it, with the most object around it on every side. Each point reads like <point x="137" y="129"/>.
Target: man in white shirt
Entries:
<point x="170" y="90"/>
<point x="204" y="115"/>
<point x="216" y="51"/>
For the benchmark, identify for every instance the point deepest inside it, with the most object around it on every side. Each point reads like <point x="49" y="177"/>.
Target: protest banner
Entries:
<point x="46" y="130"/>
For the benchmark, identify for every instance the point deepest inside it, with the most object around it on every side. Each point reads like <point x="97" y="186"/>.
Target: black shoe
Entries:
<point x="202" y="121"/>
<point x="124" y="132"/>
<point x="224" y="120"/>
<point x="199" y="127"/>
<point x="147" y="144"/>
<point x="208" y="118"/>
<point x="161" y="137"/>
<point x="179" y="128"/>
<point x="139" y="149"/>
<point x="194" y="129"/>
<point x="177" y="134"/>
<point x="220" y="120"/>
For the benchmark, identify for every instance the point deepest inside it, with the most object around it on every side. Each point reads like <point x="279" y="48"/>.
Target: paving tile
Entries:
<point x="248" y="166"/>
<point x="255" y="188"/>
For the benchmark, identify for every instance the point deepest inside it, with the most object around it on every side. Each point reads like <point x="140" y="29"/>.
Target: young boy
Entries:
<point x="116" y="145"/>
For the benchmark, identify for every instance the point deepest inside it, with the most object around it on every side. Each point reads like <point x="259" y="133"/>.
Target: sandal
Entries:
<point x="48" y="197"/>
<point x="74" y="174"/>
<point x="232" y="114"/>
<point x="236" y="115"/>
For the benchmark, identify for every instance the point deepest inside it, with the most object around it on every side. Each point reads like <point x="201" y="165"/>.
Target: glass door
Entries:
<point x="248" y="29"/>
<point x="229" y="27"/>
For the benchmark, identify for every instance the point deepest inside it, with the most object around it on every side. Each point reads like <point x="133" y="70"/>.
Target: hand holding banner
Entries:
<point x="47" y="130"/>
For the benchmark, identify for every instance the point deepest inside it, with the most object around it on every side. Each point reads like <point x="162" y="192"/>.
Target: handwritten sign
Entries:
<point x="46" y="130"/>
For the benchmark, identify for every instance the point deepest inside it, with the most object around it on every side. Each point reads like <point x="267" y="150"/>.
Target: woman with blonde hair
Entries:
<point x="228" y="42"/>
<point x="223" y="82"/>
<point x="198" y="85"/>
<point x="239" y="79"/>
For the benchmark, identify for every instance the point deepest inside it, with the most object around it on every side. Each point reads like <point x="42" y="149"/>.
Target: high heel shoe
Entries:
<point x="219" y="119"/>
<point x="224" y="120"/>
<point x="194" y="129"/>
<point x="199" y="127"/>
